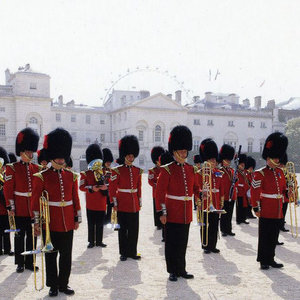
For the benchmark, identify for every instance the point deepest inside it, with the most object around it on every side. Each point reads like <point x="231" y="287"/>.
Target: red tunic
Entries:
<point x="152" y="179"/>
<point x="267" y="192"/>
<point x="175" y="188"/>
<point x="94" y="200"/>
<point x="18" y="187"/>
<point x="227" y="177"/>
<point x="62" y="186"/>
<point x="242" y="187"/>
<point x="125" y="188"/>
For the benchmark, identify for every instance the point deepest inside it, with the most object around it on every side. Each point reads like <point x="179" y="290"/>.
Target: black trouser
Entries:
<point x="24" y="224"/>
<point x="284" y="209"/>
<point x="95" y="219"/>
<point x="225" y="222"/>
<point x="240" y="211"/>
<point x="156" y="215"/>
<point x="4" y="237"/>
<point x="62" y="242"/>
<point x="175" y="247"/>
<point x="128" y="233"/>
<point x="109" y="207"/>
<point x="268" y="231"/>
<point x="213" y="221"/>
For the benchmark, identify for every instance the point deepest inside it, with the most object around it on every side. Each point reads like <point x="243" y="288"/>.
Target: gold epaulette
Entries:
<point x="11" y="166"/>
<point x="166" y="167"/>
<point x="195" y="169"/>
<point x="116" y="169"/>
<point x="40" y="167"/>
<point x="83" y="173"/>
<point x="39" y="175"/>
<point x="141" y="171"/>
<point x="261" y="171"/>
<point x="75" y="175"/>
<point x="152" y="170"/>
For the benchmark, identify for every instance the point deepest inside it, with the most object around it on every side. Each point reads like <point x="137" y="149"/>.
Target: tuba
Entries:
<point x="293" y="196"/>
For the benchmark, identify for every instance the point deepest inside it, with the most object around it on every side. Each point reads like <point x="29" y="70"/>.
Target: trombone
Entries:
<point x="12" y="225"/>
<point x="113" y="221"/>
<point x="45" y="247"/>
<point x="293" y="196"/>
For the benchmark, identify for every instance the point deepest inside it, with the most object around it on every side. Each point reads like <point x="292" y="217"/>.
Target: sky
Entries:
<point x="250" y="48"/>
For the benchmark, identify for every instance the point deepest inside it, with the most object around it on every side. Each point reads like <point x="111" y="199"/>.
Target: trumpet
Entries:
<point x="113" y="221"/>
<point x="45" y="247"/>
<point x="293" y="196"/>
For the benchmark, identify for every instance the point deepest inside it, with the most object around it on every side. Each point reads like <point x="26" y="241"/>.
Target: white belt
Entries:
<point x="60" y="203"/>
<point x="213" y="190"/>
<point x="27" y="194"/>
<point x="240" y="184"/>
<point x="184" y="198"/>
<point x="128" y="190"/>
<point x="272" y="196"/>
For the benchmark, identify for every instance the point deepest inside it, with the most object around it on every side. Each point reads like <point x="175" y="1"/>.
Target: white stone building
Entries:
<point x="25" y="101"/>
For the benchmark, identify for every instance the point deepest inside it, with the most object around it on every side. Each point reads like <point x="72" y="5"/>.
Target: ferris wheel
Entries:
<point x="129" y="72"/>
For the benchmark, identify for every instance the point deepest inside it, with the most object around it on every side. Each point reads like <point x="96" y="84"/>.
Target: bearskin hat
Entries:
<point x="120" y="160"/>
<point x="107" y="155"/>
<point x="250" y="163"/>
<point x="58" y="144"/>
<point x="226" y="152"/>
<point x="69" y="162"/>
<point x="166" y="158"/>
<point x="180" y="139"/>
<point x="42" y="155"/>
<point x="4" y="155"/>
<point x="27" y="139"/>
<point x="275" y="145"/>
<point x="92" y="152"/>
<point x="197" y="159"/>
<point x="208" y="149"/>
<point x="284" y="159"/>
<point x="156" y="152"/>
<point x="12" y="157"/>
<point x="242" y="159"/>
<point x="129" y="144"/>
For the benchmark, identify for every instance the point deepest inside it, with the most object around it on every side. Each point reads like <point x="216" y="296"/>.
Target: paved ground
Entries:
<point x="233" y="274"/>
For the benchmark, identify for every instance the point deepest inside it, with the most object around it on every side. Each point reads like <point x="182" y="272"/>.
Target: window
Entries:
<point x="231" y="143"/>
<point x="210" y="122"/>
<point x="157" y="134"/>
<point x="102" y="122"/>
<point x="141" y="161"/>
<point x="88" y="119"/>
<point x="141" y="135"/>
<point x="196" y="145"/>
<point x="250" y="146"/>
<point x="114" y="119"/>
<point x="261" y="146"/>
<point x="2" y="108"/>
<point x="250" y="124"/>
<point x="115" y="137"/>
<point x="58" y="117"/>
<point x="119" y="117"/>
<point x="33" y="120"/>
<point x="32" y="85"/>
<point x="73" y="118"/>
<point x="230" y="124"/>
<point x="74" y="136"/>
<point x="2" y="130"/>
<point x="102" y="137"/>
<point x="263" y="125"/>
<point x="196" y="121"/>
<point x="125" y="116"/>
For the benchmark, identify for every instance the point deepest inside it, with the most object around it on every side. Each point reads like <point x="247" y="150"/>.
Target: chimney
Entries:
<point x="144" y="94"/>
<point x="170" y="96"/>
<point x="7" y="76"/>
<point x="246" y="102"/>
<point x="257" y="102"/>
<point x="196" y="98"/>
<point x="271" y="104"/>
<point x="60" y="100"/>
<point x="208" y="96"/>
<point x="178" y="96"/>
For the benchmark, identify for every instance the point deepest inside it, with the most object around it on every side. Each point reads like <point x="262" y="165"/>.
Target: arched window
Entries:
<point x="157" y="133"/>
<point x="33" y="120"/>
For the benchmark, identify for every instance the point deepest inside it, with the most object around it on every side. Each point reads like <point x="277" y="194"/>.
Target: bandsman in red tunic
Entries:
<point x="250" y="168"/>
<point x="226" y="155"/>
<point x="95" y="194"/>
<point x="65" y="214"/>
<point x="197" y="166"/>
<point x="267" y="197"/>
<point x="5" y="246"/>
<point x="242" y="187"/>
<point x="153" y="173"/>
<point x="125" y="189"/>
<point x="174" y="192"/>
<point x="209" y="153"/>
<point x="17" y="193"/>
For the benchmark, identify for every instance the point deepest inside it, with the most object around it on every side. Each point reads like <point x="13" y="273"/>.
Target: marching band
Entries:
<point x="212" y="183"/>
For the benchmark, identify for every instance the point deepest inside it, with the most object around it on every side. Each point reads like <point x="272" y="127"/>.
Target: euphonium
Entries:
<point x="96" y="166"/>
<point x="293" y="196"/>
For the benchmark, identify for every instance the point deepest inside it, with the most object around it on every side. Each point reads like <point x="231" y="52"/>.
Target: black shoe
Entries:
<point x="215" y="250"/>
<point x="274" y="264"/>
<point x="238" y="223"/>
<point x="279" y="243"/>
<point x="90" y="245"/>
<point x="31" y="268"/>
<point x="224" y="234"/>
<point x="163" y="240"/>
<point x="101" y="245"/>
<point x="186" y="275"/>
<point x="231" y="233"/>
<point x="264" y="267"/>
<point x="1" y="253"/>
<point x="172" y="277"/>
<point x="284" y="229"/>
<point x="53" y="292"/>
<point x="136" y="257"/>
<point x="20" y="269"/>
<point x="10" y="253"/>
<point x="123" y="258"/>
<point x="67" y="291"/>
<point x="245" y="222"/>
<point x="206" y="251"/>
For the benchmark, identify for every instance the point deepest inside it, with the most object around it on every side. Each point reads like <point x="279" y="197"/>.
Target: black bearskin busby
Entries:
<point x="92" y="152"/>
<point x="12" y="157"/>
<point x="120" y="161"/>
<point x="129" y="144"/>
<point x="226" y="152"/>
<point x="208" y="149"/>
<point x="166" y="158"/>
<point x="42" y="155"/>
<point x="180" y="139"/>
<point x="69" y="162"/>
<point x="275" y="145"/>
<point x="242" y="159"/>
<point x="250" y="163"/>
<point x="156" y="152"/>
<point x="58" y="144"/>
<point x="4" y="155"/>
<point x="284" y="159"/>
<point x="27" y="139"/>
<point x="107" y="155"/>
<point x="197" y="159"/>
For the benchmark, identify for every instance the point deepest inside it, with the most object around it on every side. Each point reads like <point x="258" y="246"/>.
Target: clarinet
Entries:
<point x="235" y="175"/>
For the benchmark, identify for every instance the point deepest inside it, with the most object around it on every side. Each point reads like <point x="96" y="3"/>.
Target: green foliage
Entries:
<point x="292" y="131"/>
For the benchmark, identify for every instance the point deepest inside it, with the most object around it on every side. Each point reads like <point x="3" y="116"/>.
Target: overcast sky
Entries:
<point x="86" y="45"/>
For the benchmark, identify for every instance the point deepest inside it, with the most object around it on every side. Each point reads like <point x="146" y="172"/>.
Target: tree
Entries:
<point x="293" y="133"/>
